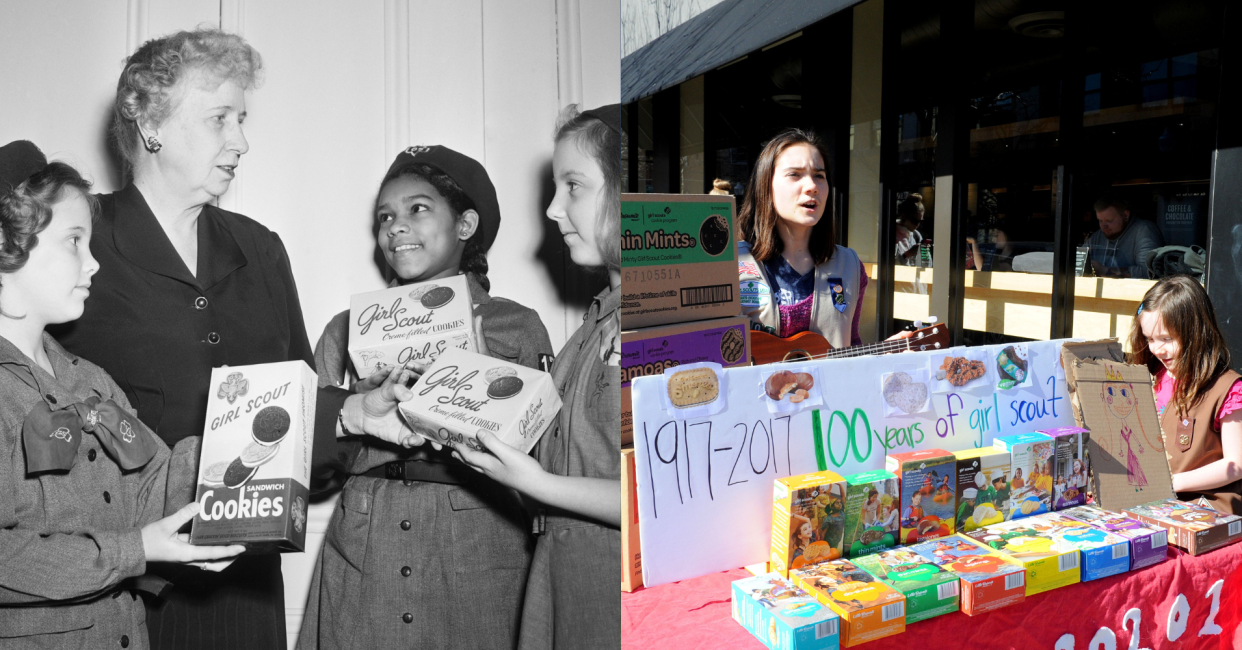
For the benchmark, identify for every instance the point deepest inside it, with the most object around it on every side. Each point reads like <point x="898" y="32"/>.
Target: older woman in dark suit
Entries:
<point x="184" y="287"/>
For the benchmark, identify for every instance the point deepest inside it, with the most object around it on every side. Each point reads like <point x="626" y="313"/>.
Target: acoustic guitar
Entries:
<point x="804" y="346"/>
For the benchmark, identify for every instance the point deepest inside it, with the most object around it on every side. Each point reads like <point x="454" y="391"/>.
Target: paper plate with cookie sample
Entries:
<point x="960" y="369"/>
<point x="786" y="388"/>
<point x="255" y="459"/>
<point x="464" y="394"/>
<point x="905" y="392"/>
<point x="695" y="390"/>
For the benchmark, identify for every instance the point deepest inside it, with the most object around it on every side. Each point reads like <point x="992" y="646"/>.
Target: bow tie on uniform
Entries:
<point x="52" y="438"/>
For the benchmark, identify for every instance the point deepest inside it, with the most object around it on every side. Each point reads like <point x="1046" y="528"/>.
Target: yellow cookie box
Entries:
<point x="1049" y="562"/>
<point x="808" y="520"/>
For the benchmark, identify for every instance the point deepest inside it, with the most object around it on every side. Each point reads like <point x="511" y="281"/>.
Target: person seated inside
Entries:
<point x="996" y="255"/>
<point x="909" y="216"/>
<point x="1119" y="247"/>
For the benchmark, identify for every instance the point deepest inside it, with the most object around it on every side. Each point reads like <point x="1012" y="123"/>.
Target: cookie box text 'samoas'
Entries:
<point x="255" y="464"/>
<point x="413" y="322"/>
<point x="465" y="393"/>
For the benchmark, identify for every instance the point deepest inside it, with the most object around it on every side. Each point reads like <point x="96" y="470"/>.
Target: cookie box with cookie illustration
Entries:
<point x="928" y="502"/>
<point x="1050" y="563"/>
<point x="649" y="351"/>
<point x="782" y="616"/>
<point x="412" y="322"/>
<point x="872" y="506"/>
<point x="464" y="393"/>
<point x="1148" y="545"/>
<point x="929" y="590"/>
<point x="987" y="581"/>
<point x="1071" y="466"/>
<point x="982" y="487"/>
<point x="808" y="519"/>
<point x="869" y="609"/>
<point x="254" y="468"/>
<point x="1030" y="484"/>
<point x="678" y="259"/>
<point x="1102" y="554"/>
<point x="1193" y="528"/>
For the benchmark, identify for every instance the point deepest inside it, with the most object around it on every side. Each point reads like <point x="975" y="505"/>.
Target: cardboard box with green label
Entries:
<point x="678" y="259"/>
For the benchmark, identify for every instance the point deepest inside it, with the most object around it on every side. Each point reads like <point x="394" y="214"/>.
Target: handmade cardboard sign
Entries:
<point x="711" y="477"/>
<point x="1114" y="400"/>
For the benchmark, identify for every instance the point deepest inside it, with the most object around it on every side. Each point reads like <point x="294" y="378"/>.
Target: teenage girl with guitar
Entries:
<point x="794" y="277"/>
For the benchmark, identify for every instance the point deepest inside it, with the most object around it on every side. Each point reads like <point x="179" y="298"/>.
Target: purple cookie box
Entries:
<point x="1142" y="552"/>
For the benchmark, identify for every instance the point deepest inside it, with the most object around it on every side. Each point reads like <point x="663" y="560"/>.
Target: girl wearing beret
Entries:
<point x="421" y="551"/>
<point x="575" y="474"/>
<point x="84" y="481"/>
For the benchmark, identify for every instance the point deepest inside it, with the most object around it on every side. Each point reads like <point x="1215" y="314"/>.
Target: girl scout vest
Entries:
<point x="839" y="277"/>
<point x="1192" y="441"/>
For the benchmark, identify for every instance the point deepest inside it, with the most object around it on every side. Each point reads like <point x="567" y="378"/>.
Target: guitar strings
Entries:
<point x="858" y="351"/>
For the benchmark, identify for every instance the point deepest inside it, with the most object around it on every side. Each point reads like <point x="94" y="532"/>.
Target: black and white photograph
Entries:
<point x="308" y="324"/>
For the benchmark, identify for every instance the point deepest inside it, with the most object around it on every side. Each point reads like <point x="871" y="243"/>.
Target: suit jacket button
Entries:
<point x="405" y="525"/>
<point x="407" y="617"/>
<point x="213" y="338"/>
<point x="200" y="303"/>
<point x="124" y="641"/>
<point x="405" y="571"/>
<point x="107" y="497"/>
<point x="90" y="455"/>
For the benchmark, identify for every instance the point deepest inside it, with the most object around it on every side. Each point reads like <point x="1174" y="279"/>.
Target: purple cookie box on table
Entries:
<point x="1148" y="545"/>
<point x="1069" y="444"/>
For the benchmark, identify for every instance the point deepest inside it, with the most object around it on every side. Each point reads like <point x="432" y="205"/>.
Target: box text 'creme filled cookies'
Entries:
<point x="465" y="393"/>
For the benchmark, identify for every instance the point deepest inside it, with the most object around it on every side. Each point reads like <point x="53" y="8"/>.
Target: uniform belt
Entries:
<point x="421" y="470"/>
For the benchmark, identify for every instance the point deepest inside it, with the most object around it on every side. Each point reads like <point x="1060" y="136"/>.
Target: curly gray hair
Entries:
<point x="145" y="92"/>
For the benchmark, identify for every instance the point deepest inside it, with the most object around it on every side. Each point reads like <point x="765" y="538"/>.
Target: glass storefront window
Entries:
<point x="692" y="181"/>
<point x="646" y="145"/>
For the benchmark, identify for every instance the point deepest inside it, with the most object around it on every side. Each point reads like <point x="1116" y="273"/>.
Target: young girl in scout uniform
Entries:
<point x="793" y="276"/>
<point x="421" y="551"/>
<point x="1198" y="395"/>
<point x="83" y="480"/>
<point x="571" y="599"/>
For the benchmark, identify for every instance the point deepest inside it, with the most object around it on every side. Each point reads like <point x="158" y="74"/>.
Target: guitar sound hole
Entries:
<point x="797" y="355"/>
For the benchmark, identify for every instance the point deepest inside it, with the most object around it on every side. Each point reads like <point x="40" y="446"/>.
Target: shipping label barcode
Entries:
<point x="890" y="612"/>
<point x="946" y="590"/>
<point x="1160" y="539"/>
<point x="827" y="628"/>
<point x="1235" y="527"/>
<point x="1067" y="561"/>
<point x="1121" y="550"/>
<point x="691" y="296"/>
<point x="1015" y="580"/>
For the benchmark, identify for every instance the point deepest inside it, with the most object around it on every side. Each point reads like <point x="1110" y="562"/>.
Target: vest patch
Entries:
<point x="755" y="293"/>
<point x="837" y="289"/>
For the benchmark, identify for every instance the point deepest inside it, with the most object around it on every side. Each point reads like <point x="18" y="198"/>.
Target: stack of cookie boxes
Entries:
<point x="254" y="468"/>
<point x="680" y="300"/>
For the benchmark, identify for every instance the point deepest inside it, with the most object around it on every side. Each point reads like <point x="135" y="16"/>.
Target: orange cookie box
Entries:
<point x="869" y="609"/>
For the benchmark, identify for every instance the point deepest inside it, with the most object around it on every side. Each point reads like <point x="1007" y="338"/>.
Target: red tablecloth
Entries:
<point x="694" y="614"/>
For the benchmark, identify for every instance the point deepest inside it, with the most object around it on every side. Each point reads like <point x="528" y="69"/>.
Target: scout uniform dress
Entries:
<point x="422" y="551"/>
<point x="1193" y="439"/>
<point x="158" y="329"/>
<point x="571" y="594"/>
<point x="70" y="542"/>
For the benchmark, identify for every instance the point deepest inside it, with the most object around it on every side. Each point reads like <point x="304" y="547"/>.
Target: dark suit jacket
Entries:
<point x="158" y="330"/>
